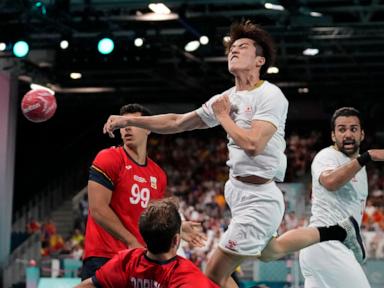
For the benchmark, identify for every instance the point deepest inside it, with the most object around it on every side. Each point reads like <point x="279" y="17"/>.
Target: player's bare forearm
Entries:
<point x="334" y="179"/>
<point x="99" y="198"/>
<point x="376" y="154"/>
<point x="107" y="218"/>
<point x="162" y="124"/>
<point x="242" y="137"/>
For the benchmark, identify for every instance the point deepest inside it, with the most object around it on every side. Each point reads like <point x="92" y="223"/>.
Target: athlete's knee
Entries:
<point x="271" y="253"/>
<point x="268" y="257"/>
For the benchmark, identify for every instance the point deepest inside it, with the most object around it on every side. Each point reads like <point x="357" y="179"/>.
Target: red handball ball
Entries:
<point x="38" y="105"/>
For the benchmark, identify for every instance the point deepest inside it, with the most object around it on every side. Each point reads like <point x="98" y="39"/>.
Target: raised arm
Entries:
<point x="334" y="179"/>
<point x="162" y="124"/>
<point x="253" y="140"/>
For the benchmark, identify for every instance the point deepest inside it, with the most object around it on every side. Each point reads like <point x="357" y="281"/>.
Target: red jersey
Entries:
<point x="133" y="186"/>
<point x="133" y="269"/>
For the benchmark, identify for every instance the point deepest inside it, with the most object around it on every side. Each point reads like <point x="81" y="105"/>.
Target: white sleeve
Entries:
<point x="272" y="108"/>
<point x="323" y="161"/>
<point x="206" y="113"/>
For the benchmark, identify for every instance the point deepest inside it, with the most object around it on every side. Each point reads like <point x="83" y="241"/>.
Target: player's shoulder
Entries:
<point x="327" y="152"/>
<point x="272" y="91"/>
<point x="187" y="267"/>
<point x="154" y="165"/>
<point x="130" y="255"/>
<point x="111" y="151"/>
<point x="189" y="275"/>
<point x="270" y="87"/>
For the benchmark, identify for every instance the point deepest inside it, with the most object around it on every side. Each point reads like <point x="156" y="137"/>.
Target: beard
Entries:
<point x="348" y="147"/>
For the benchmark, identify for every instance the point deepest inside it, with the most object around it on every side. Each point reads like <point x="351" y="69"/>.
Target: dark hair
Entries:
<point x="348" y="112"/>
<point x="263" y="41"/>
<point x="134" y="108"/>
<point x="158" y="225"/>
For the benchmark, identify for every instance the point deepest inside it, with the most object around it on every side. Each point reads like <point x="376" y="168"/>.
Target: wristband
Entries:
<point x="364" y="159"/>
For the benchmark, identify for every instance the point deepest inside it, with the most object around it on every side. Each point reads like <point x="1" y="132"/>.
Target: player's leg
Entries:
<point x="220" y="267"/>
<point x="257" y="211"/>
<point x="347" y="231"/>
<point x="291" y="241"/>
<point x="331" y="265"/>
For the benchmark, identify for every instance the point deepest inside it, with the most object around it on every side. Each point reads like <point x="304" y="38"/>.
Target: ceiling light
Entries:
<point x="105" y="46"/>
<point x="64" y="44"/>
<point x="226" y="39"/>
<point x="159" y="8"/>
<point x="139" y="42"/>
<point x="311" y="52"/>
<point x="75" y="75"/>
<point x="273" y="70"/>
<point x="35" y="86"/>
<point x="315" y="14"/>
<point x="3" y="46"/>
<point x="303" y="90"/>
<point x="274" y="7"/>
<point x="20" y="49"/>
<point x="192" y="46"/>
<point x="204" y="40"/>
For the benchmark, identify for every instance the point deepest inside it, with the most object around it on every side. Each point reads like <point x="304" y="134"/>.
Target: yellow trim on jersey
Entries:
<point x="257" y="85"/>
<point x="102" y="172"/>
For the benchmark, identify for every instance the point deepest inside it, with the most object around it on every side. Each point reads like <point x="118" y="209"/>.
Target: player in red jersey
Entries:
<point x="157" y="267"/>
<point x="122" y="181"/>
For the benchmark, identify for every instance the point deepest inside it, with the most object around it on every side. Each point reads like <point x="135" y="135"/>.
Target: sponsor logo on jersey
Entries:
<point x="139" y="179"/>
<point x="153" y="182"/>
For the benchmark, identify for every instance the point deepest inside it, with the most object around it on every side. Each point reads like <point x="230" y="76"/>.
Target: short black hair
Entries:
<point x="158" y="225"/>
<point x="347" y="112"/>
<point x="264" y="43"/>
<point x="135" y="108"/>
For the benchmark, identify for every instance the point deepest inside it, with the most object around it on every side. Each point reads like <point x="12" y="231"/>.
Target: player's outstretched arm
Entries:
<point x="162" y="124"/>
<point x="376" y="154"/>
<point x="334" y="179"/>
<point x="253" y="140"/>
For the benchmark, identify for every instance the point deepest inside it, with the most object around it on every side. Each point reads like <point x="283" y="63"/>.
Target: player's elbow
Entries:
<point x="97" y="213"/>
<point x="329" y="184"/>
<point x="253" y="148"/>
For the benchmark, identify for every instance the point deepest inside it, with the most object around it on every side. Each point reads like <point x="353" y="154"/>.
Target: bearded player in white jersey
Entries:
<point x="253" y="113"/>
<point x="339" y="189"/>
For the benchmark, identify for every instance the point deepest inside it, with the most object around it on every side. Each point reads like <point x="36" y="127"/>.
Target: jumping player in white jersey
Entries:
<point x="340" y="188"/>
<point x="253" y="113"/>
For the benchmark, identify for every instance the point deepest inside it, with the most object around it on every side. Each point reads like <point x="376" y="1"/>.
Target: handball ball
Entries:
<point x="38" y="105"/>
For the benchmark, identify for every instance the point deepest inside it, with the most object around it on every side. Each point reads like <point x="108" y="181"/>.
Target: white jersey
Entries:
<point x="267" y="103"/>
<point x="329" y="207"/>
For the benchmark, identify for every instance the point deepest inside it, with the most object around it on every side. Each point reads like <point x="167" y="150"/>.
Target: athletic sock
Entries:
<point x="334" y="232"/>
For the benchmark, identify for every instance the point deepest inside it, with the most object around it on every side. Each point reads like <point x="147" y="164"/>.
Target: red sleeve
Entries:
<point x="112" y="274"/>
<point x="105" y="168"/>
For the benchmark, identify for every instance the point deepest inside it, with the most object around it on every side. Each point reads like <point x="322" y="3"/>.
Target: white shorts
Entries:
<point x="257" y="211"/>
<point x="331" y="265"/>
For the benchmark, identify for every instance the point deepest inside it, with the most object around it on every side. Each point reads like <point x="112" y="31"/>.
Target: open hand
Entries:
<point x="192" y="233"/>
